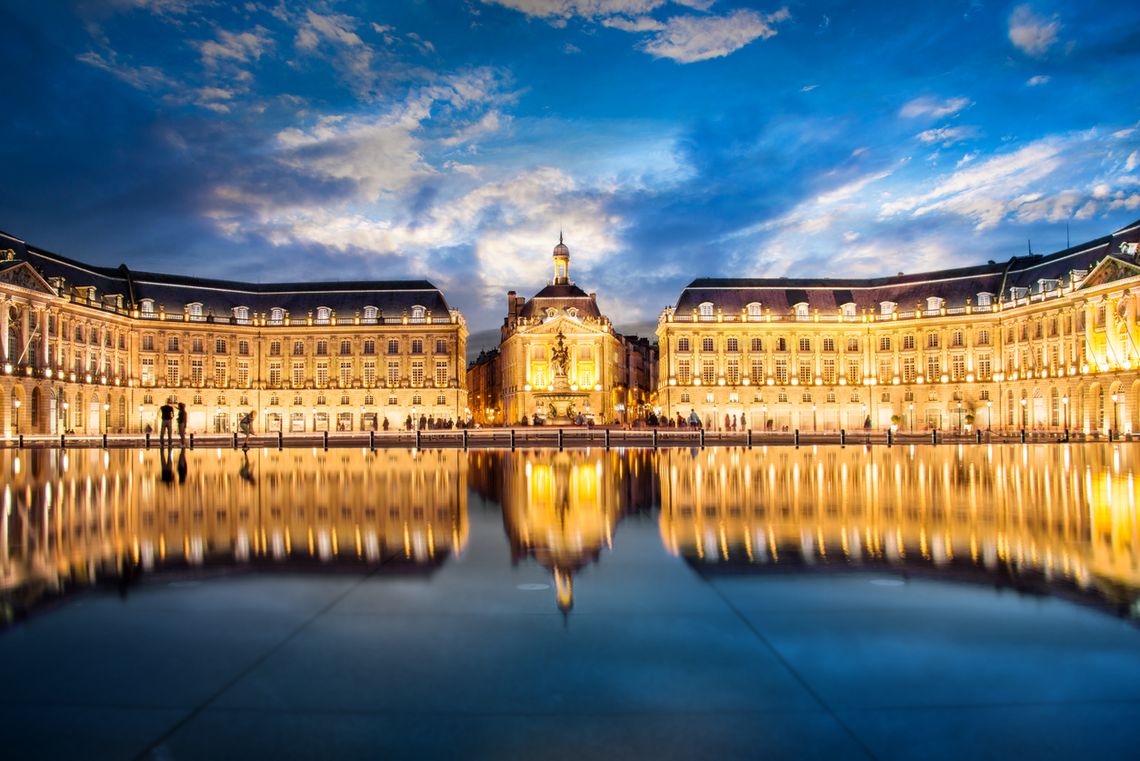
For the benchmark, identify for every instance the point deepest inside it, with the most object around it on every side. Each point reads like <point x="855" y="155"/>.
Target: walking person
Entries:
<point x="182" y="423"/>
<point x="166" y="412"/>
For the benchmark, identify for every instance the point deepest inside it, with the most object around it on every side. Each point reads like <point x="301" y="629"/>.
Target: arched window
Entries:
<point x="753" y="310"/>
<point x="848" y="309"/>
<point x="706" y="310"/>
<point x="146" y="307"/>
<point x="323" y="315"/>
<point x="418" y="313"/>
<point x="801" y="310"/>
<point x="276" y="316"/>
<point x="241" y="315"/>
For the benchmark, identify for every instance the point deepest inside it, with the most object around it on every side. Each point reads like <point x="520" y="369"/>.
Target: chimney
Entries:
<point x="594" y="296"/>
<point x="512" y="309"/>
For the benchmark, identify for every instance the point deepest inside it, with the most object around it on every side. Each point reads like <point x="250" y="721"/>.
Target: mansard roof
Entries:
<point x="220" y="297"/>
<point x="562" y="296"/>
<point x="954" y="286"/>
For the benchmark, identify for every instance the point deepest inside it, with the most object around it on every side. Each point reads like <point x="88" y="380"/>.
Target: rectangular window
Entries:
<point x="757" y="344"/>
<point x="985" y="367"/>
<point x="172" y="343"/>
<point x="221" y="376"/>
<point x="958" y="367"/>
<point x="732" y="371"/>
<point x="805" y="344"/>
<point x="733" y="345"/>
<point x="370" y="347"/>
<point x="275" y="348"/>
<point x="933" y="368"/>
<point x="322" y="348"/>
<point x="781" y="371"/>
<point x="829" y="344"/>
<point x="322" y="374"/>
<point x="757" y="370"/>
<point x="441" y="346"/>
<point x="197" y="345"/>
<point x="243" y="348"/>
<point x="370" y="373"/>
<point x="173" y="372"/>
<point x="148" y="343"/>
<point x="298" y="348"/>
<point x="706" y="344"/>
<point x="220" y="346"/>
<point x="147" y="377"/>
<point x="345" y="377"/>
<point x="298" y="375"/>
<point x="805" y="373"/>
<point x="932" y="340"/>
<point x="418" y="373"/>
<point x="884" y="343"/>
<point x="275" y="375"/>
<point x="682" y="344"/>
<point x="393" y="373"/>
<point x="829" y="371"/>
<point x="708" y="372"/>
<point x="908" y="371"/>
<point x="393" y="346"/>
<point x="853" y="367"/>
<point x="908" y="342"/>
<point x="417" y="346"/>
<point x="684" y="372"/>
<point x="441" y="374"/>
<point x="197" y="372"/>
<point x="243" y="374"/>
<point x="852" y="344"/>
<point x="345" y="348"/>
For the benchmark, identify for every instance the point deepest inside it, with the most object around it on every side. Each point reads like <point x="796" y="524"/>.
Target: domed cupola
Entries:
<point x="561" y="263"/>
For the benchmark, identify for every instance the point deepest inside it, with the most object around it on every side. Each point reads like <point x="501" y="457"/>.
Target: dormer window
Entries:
<point x="801" y="310"/>
<point x="934" y="303"/>
<point x="848" y="309"/>
<point x="194" y="312"/>
<point x="572" y="312"/>
<point x="1044" y="285"/>
<point x="887" y="307"/>
<point x="753" y="310"/>
<point x="551" y="312"/>
<point x="985" y="299"/>
<point x="706" y="310"/>
<point x="241" y="315"/>
<point x="1018" y="292"/>
<point x="371" y="314"/>
<point x="276" y="316"/>
<point x="418" y="313"/>
<point x="146" y="307"/>
<point x="324" y="314"/>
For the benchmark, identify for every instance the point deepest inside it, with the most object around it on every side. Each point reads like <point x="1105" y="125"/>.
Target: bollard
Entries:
<point x="326" y="439"/>
<point x="61" y="442"/>
<point x="702" y="438"/>
<point x="749" y="438"/>
<point x="1066" y="439"/>
<point x="465" y="439"/>
<point x="280" y="440"/>
<point x="1022" y="435"/>
<point x="235" y="440"/>
<point x="418" y="438"/>
<point x="20" y="444"/>
<point x="934" y="437"/>
<point x="654" y="438"/>
<point x="890" y="437"/>
<point x="607" y="433"/>
<point x="147" y="439"/>
<point x="372" y="439"/>
<point x="560" y="439"/>
<point x="842" y="437"/>
<point x="1109" y="435"/>
<point x="512" y="439"/>
<point x="978" y="436"/>
<point x="104" y="441"/>
<point x="796" y="438"/>
<point x="191" y="440"/>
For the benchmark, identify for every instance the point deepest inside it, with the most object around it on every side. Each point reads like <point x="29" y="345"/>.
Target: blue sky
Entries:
<point x="267" y="140"/>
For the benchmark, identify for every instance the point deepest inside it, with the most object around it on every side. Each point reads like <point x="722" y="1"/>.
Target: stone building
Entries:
<point x="95" y="349"/>
<point x="560" y="354"/>
<point x="1037" y="342"/>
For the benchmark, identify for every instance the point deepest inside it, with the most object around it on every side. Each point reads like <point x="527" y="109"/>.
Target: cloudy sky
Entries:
<point x="336" y="139"/>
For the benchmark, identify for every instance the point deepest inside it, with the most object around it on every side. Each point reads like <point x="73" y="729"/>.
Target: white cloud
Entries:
<point x="639" y="24"/>
<point x="808" y="88"/>
<point x="138" y="77"/>
<point x="1132" y="161"/>
<point x="946" y="136"/>
<point x="1030" y="33"/>
<point x="1037" y="81"/>
<point x="687" y="39"/>
<point x="933" y="107"/>
<point x="588" y="9"/>
<point x="333" y="37"/>
<point x="241" y="47"/>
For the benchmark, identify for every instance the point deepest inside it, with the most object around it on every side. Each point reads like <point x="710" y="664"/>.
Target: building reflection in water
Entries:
<point x="1043" y="515"/>
<point x="562" y="507"/>
<point x="1055" y="518"/>
<point x="74" y="516"/>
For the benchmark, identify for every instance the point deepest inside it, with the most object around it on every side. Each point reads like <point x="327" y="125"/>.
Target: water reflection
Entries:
<point x="1058" y="519"/>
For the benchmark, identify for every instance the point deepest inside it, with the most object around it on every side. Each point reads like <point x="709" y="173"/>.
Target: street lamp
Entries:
<point x="1115" y="399"/>
<point x="910" y="414"/>
<point x="106" y="417"/>
<point x="960" y="425"/>
<point x="16" y="405"/>
<point x="814" y="425"/>
<point x="764" y="409"/>
<point x="141" y="408"/>
<point x="989" y="414"/>
<point x="1024" y="412"/>
<point x="1065" y="408"/>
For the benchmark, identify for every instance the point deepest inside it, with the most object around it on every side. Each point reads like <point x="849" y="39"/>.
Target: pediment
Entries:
<point x="24" y="275"/>
<point x="564" y="323"/>
<point x="1108" y="270"/>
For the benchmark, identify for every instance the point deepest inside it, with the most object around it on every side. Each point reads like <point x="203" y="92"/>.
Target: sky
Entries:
<point x="344" y="139"/>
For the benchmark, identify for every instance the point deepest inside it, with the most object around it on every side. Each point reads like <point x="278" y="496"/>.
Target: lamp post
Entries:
<point x="16" y="406"/>
<point x="1024" y="412"/>
<point x="960" y="425"/>
<point x="910" y="414"/>
<point x="814" y="424"/>
<point x="990" y="414"/>
<point x="1065" y="410"/>
<point x="1115" y="399"/>
<point x="764" y="409"/>
<point x="142" y="407"/>
<point x="106" y="417"/>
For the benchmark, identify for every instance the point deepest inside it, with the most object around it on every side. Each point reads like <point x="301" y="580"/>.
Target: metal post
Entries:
<point x="1022" y="435"/>
<point x="147" y="439"/>
<point x="464" y="438"/>
<point x="934" y="437"/>
<point x="62" y="444"/>
<point x="654" y="438"/>
<point x="749" y="438"/>
<point x="560" y="439"/>
<point x="512" y="439"/>
<point x="20" y="444"/>
<point x="797" y="438"/>
<point x="607" y="434"/>
<point x="842" y="437"/>
<point x="235" y="440"/>
<point x="104" y="441"/>
<point x="191" y="440"/>
<point x="372" y="439"/>
<point x="417" y="438"/>
<point x="977" y="435"/>
<point x="326" y="438"/>
<point x="1066" y="439"/>
<point x="890" y="437"/>
<point x="280" y="440"/>
<point x="702" y="438"/>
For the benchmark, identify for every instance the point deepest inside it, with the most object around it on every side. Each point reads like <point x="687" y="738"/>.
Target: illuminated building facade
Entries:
<point x="560" y="356"/>
<point x="1037" y="342"/>
<point x="98" y="350"/>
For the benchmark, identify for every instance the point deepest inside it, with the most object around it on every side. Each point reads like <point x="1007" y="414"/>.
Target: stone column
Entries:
<point x="5" y="356"/>
<point x="45" y="338"/>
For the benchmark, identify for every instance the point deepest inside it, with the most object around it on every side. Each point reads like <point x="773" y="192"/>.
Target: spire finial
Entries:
<point x="560" y="234"/>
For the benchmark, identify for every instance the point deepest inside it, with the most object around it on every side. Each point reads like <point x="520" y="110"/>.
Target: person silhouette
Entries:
<point x="182" y="469"/>
<point x="167" y="465"/>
